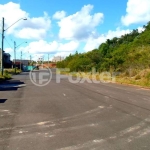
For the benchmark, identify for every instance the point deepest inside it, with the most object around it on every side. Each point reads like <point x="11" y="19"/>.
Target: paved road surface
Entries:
<point x="70" y="116"/>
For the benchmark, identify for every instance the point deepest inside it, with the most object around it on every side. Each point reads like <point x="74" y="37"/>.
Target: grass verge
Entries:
<point x="140" y="78"/>
<point x="5" y="76"/>
<point x="8" y="74"/>
<point x="12" y="71"/>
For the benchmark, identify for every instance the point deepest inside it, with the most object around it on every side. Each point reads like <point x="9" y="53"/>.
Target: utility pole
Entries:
<point x="42" y="61"/>
<point x="20" y="60"/>
<point x="15" y="56"/>
<point x="15" y="47"/>
<point x="3" y="30"/>
<point x="30" y="60"/>
<point x="48" y="60"/>
<point x="2" y="54"/>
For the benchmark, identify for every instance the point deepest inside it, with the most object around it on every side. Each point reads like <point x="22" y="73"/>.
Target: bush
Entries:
<point x="138" y="77"/>
<point x="12" y="71"/>
<point x="148" y="76"/>
<point x="5" y="76"/>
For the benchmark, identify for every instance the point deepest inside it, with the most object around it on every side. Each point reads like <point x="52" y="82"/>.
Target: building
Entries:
<point x="20" y="63"/>
<point x="57" y="59"/>
<point x="7" y="63"/>
<point x="48" y="65"/>
<point x="23" y="62"/>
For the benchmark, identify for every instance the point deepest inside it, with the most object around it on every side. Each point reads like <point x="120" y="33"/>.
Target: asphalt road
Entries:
<point x="67" y="116"/>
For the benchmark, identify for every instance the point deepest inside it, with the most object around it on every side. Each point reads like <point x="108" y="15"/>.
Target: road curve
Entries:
<point x="79" y="116"/>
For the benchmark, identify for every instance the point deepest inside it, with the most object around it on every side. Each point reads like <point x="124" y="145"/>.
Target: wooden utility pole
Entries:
<point x="20" y="60"/>
<point x="15" y="56"/>
<point x="48" y="60"/>
<point x="2" y="51"/>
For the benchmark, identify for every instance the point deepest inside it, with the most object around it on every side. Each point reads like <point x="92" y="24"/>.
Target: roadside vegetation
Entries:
<point x="8" y="74"/>
<point x="12" y="71"/>
<point x="5" y="76"/>
<point x="128" y="55"/>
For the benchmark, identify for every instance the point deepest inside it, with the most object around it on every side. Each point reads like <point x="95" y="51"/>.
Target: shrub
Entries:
<point x="6" y="75"/>
<point x="138" y="77"/>
<point x="148" y="76"/>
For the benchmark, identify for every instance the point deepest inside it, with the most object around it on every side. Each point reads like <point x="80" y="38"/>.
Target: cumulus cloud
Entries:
<point x="9" y="50"/>
<point x="12" y="9"/>
<point x="29" y="33"/>
<point x="137" y="11"/>
<point x="32" y="28"/>
<point x="43" y="47"/>
<point x="68" y="47"/>
<point x="93" y="43"/>
<point x="140" y="29"/>
<point x="80" y="25"/>
<point x="59" y="15"/>
<point x="38" y="22"/>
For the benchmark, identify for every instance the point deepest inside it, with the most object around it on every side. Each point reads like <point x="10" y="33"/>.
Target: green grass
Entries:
<point x="142" y="78"/>
<point x="8" y="74"/>
<point x="12" y="71"/>
<point x="5" y="76"/>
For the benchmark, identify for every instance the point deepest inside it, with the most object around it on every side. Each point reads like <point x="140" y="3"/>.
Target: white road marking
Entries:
<point x="42" y="123"/>
<point x="4" y="111"/>
<point x="101" y="107"/>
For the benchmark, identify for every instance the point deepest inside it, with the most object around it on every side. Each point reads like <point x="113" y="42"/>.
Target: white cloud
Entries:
<point x="93" y="43"/>
<point x="80" y="25"/>
<point x="138" y="11"/>
<point x="32" y="28"/>
<point x="42" y="47"/>
<point x="63" y="54"/>
<point x="140" y="29"/>
<point x="9" y="50"/>
<point x="11" y="13"/>
<point x="28" y="33"/>
<point x="117" y="33"/>
<point x="71" y="46"/>
<point x="59" y="15"/>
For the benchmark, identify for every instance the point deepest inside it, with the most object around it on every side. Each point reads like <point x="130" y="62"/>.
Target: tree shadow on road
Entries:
<point x="8" y="88"/>
<point x="11" y="85"/>
<point x="12" y="82"/>
<point x="3" y="100"/>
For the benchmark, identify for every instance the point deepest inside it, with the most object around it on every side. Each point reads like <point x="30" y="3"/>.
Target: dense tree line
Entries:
<point x="129" y="51"/>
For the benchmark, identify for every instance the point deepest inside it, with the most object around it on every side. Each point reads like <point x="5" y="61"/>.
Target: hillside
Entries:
<point x="129" y="55"/>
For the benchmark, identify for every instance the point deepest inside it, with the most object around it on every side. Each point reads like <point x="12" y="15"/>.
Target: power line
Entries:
<point x="0" y="26"/>
<point x="8" y="43"/>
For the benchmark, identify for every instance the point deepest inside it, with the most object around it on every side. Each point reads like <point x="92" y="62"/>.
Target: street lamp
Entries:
<point x="42" y="61"/>
<point x="15" y="23"/>
<point x="21" y="59"/>
<point x="48" y="60"/>
<point x="2" y="48"/>
<point x="15" y="53"/>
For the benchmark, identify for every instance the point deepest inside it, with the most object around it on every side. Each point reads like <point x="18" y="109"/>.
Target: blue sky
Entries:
<point x="58" y="28"/>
